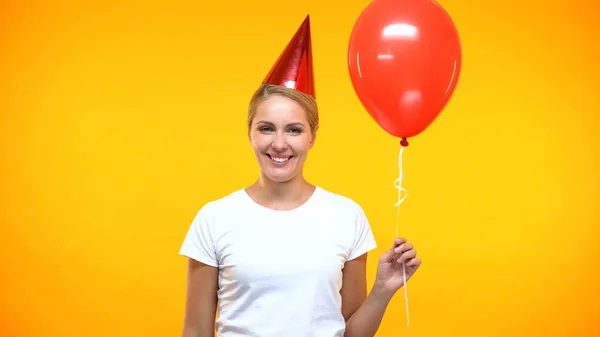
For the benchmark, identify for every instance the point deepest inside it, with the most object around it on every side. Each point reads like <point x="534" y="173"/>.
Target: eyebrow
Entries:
<point x="288" y="125"/>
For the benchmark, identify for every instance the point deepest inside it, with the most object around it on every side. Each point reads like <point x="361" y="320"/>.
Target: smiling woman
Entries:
<point x="249" y="251"/>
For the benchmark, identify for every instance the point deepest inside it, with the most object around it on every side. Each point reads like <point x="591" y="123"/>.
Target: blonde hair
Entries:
<point x="307" y="102"/>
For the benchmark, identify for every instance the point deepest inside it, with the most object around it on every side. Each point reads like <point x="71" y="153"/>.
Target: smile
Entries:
<point x="278" y="160"/>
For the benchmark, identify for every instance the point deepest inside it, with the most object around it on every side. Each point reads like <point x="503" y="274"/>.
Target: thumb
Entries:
<point x="388" y="256"/>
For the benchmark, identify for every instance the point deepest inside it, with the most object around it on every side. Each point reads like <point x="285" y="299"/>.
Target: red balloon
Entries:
<point x="404" y="59"/>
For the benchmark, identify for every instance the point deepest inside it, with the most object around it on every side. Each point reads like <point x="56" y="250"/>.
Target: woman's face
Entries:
<point x="281" y="137"/>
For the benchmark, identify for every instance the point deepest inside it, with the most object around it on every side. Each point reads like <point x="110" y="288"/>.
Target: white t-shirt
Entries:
<point x="280" y="272"/>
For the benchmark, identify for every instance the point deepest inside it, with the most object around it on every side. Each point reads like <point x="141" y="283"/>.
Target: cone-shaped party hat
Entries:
<point x="294" y="67"/>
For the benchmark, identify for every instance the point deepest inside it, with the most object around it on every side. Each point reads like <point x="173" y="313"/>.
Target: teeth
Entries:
<point x="279" y="160"/>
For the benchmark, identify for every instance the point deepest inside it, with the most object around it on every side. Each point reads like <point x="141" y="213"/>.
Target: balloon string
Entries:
<point x="398" y="185"/>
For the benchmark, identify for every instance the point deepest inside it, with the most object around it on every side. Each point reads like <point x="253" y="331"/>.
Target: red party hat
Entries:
<point x="294" y="67"/>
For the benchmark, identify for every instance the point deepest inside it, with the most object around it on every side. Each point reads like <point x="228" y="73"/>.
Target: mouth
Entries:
<point x="279" y="160"/>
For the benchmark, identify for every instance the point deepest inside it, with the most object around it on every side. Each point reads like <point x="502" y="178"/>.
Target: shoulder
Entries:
<point x="349" y="217"/>
<point x="221" y="204"/>
<point x="340" y="202"/>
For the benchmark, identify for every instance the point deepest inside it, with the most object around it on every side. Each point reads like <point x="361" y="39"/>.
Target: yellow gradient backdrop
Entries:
<point x="119" y="120"/>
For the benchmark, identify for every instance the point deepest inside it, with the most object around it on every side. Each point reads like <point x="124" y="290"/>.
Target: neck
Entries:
<point x="281" y="195"/>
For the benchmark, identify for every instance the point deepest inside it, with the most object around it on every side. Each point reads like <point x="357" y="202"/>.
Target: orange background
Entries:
<point x="108" y="115"/>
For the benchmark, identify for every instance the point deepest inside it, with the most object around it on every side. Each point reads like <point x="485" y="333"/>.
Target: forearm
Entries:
<point x="366" y="320"/>
<point x="191" y="331"/>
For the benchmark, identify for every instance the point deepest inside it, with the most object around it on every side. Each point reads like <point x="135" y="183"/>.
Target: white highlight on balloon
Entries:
<point x="400" y="31"/>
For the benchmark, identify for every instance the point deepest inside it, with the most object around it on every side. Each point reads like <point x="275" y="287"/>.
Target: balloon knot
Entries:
<point x="404" y="142"/>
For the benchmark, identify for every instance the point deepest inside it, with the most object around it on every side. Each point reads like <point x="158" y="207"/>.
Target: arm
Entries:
<point x="363" y="313"/>
<point x="201" y="300"/>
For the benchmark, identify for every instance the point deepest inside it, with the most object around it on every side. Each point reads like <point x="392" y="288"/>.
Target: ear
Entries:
<point x="314" y="138"/>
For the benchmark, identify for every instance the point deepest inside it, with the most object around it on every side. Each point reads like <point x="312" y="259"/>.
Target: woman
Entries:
<point x="284" y="257"/>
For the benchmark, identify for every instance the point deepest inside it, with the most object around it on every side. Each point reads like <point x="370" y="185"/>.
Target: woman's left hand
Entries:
<point x="390" y="273"/>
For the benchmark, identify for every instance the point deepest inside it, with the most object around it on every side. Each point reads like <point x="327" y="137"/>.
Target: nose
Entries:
<point x="279" y="142"/>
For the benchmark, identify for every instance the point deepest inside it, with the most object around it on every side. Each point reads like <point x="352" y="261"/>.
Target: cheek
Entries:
<point x="302" y="145"/>
<point x="259" y="144"/>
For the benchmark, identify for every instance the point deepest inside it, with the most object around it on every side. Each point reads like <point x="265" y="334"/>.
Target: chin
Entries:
<point x="279" y="178"/>
<point x="282" y="174"/>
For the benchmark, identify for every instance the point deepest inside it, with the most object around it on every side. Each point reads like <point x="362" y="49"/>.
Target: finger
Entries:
<point x="413" y="262"/>
<point x="403" y="248"/>
<point x="388" y="256"/>
<point x="407" y="255"/>
<point x="399" y="241"/>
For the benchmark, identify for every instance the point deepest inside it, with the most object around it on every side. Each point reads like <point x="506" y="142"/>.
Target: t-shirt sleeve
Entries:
<point x="199" y="243"/>
<point x="364" y="240"/>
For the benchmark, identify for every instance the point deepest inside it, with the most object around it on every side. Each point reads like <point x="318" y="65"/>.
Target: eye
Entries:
<point x="296" y="130"/>
<point x="265" y="128"/>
